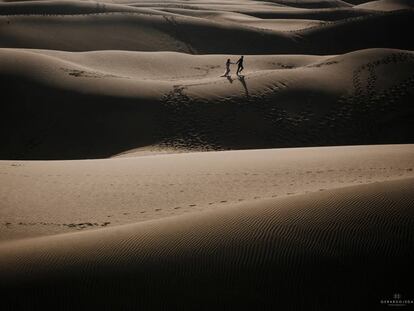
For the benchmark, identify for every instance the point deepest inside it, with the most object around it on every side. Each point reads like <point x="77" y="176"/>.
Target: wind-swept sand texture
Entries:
<point x="308" y="252"/>
<point x="50" y="197"/>
<point x="109" y="200"/>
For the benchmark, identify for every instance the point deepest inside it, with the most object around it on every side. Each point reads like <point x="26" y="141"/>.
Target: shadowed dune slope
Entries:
<point x="153" y="32"/>
<point x="312" y="251"/>
<point x="179" y="101"/>
<point x="252" y="3"/>
<point x="66" y="8"/>
<point x="387" y="5"/>
<point x="319" y="14"/>
<point x="263" y="9"/>
<point x="312" y="4"/>
<point x="222" y="14"/>
<point x="339" y="35"/>
<point x="356" y="2"/>
<point x="286" y="24"/>
<point x="152" y="7"/>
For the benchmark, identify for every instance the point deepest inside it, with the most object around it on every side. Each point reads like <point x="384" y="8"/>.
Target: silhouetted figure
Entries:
<point x="228" y="63"/>
<point x="240" y="65"/>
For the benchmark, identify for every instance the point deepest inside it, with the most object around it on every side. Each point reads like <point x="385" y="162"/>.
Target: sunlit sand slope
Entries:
<point x="50" y="197"/>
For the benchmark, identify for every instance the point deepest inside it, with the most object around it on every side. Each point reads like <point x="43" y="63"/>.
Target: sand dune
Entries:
<point x="154" y="32"/>
<point x="263" y="11"/>
<point x="127" y="96"/>
<point x="288" y="24"/>
<point x="258" y="255"/>
<point x="332" y="14"/>
<point x="49" y="197"/>
<point x="387" y="5"/>
<point x="66" y="8"/>
<point x="231" y="7"/>
<point x="355" y="2"/>
<point x="179" y="101"/>
<point x="312" y="3"/>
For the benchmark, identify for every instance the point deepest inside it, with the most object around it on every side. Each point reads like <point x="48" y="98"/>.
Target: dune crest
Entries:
<point x="387" y="5"/>
<point x="163" y="101"/>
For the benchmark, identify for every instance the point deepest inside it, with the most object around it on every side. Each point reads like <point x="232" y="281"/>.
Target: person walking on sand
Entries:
<point x="240" y="65"/>
<point x="228" y="63"/>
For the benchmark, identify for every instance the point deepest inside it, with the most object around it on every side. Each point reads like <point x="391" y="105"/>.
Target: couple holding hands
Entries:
<point x="239" y="64"/>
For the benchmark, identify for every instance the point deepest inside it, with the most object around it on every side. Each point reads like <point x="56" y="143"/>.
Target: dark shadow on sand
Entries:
<point x="243" y="82"/>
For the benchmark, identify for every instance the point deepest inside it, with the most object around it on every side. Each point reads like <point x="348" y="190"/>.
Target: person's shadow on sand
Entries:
<point x="230" y="79"/>
<point x="243" y="82"/>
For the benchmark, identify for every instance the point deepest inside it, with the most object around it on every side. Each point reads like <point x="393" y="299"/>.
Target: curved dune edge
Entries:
<point x="179" y="101"/>
<point x="386" y="5"/>
<point x="180" y="33"/>
<point x="50" y="197"/>
<point x="351" y="242"/>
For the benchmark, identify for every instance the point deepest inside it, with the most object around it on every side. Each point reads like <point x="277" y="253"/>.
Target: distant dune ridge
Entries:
<point x="174" y="187"/>
<point x="387" y="5"/>
<point x="173" y="32"/>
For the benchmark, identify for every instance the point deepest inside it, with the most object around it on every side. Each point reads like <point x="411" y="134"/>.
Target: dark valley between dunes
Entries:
<point x="203" y="155"/>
